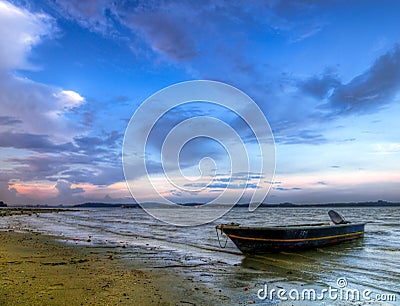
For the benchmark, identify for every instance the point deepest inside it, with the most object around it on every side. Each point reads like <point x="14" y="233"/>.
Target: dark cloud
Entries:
<point x="92" y="164"/>
<point x="371" y="90"/>
<point x="165" y="35"/>
<point x="75" y="169"/>
<point x="38" y="167"/>
<point x="8" y="120"/>
<point x="86" y="149"/>
<point x="100" y="145"/>
<point x="91" y="159"/>
<point x="33" y="142"/>
<point x="157" y="23"/>
<point x="178" y="30"/>
<point x="287" y="189"/>
<point x="324" y="97"/>
<point x="319" y="86"/>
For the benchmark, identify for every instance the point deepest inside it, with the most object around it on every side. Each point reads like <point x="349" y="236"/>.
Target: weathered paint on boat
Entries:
<point x="258" y="240"/>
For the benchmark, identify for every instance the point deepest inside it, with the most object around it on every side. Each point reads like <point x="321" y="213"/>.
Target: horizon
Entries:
<point x="325" y="75"/>
<point x="376" y="203"/>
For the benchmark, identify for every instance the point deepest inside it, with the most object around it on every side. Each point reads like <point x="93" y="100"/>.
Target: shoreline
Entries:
<point x="39" y="269"/>
<point x="11" y="211"/>
<point x="33" y="251"/>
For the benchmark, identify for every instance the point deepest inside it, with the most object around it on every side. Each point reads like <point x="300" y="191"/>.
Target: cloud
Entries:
<point x="88" y="13"/>
<point x="69" y="99"/>
<point x="94" y="161"/>
<point x="162" y="30"/>
<point x="301" y="137"/>
<point x="99" y="145"/>
<point x="39" y="108"/>
<point x="66" y="192"/>
<point x="319" y="86"/>
<point x="370" y="90"/>
<point x="33" y="142"/>
<point x="324" y="96"/>
<point x="8" y="120"/>
<point x="288" y="189"/>
<point x="38" y="167"/>
<point x="182" y="30"/>
<point x="10" y="195"/>
<point x="72" y="167"/>
<point x="20" y="30"/>
<point x="165" y="35"/>
<point x="41" y="118"/>
<point x="224" y="186"/>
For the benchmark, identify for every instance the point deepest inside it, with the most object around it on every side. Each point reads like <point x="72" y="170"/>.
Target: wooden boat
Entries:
<point x="258" y="240"/>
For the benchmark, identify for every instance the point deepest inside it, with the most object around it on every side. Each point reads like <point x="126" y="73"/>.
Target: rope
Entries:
<point x="219" y="242"/>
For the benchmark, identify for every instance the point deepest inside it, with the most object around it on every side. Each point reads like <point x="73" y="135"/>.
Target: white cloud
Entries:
<point x="387" y="148"/>
<point x="68" y="98"/>
<point x="39" y="108"/>
<point x="20" y="30"/>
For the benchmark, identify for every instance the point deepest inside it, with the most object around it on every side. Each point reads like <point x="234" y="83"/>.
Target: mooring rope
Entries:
<point x="219" y="242"/>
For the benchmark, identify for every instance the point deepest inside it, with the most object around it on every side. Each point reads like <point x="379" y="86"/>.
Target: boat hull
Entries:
<point x="258" y="240"/>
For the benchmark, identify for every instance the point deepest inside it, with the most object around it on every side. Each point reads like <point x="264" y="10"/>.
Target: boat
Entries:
<point x="287" y="238"/>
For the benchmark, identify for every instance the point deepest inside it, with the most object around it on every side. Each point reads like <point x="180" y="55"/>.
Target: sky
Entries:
<point x="326" y="75"/>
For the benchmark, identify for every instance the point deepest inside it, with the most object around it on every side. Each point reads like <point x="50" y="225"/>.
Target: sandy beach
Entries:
<point x="37" y="270"/>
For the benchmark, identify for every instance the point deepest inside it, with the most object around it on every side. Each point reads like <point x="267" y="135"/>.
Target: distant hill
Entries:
<point x="379" y="203"/>
<point x="107" y="205"/>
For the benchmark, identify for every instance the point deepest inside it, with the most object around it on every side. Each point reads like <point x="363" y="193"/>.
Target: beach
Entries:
<point x="37" y="270"/>
<point x="126" y="257"/>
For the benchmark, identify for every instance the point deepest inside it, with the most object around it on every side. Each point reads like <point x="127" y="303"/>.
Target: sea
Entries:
<point x="362" y="272"/>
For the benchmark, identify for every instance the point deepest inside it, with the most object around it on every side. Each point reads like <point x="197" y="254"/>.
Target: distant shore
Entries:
<point x="47" y="208"/>
<point x="10" y="211"/>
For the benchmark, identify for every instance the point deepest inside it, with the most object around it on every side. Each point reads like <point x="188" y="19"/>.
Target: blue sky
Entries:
<point x="326" y="74"/>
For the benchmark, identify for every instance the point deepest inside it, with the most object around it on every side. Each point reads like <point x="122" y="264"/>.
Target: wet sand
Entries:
<point x="37" y="270"/>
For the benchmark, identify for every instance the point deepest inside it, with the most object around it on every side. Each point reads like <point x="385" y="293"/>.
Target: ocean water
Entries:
<point x="371" y="264"/>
